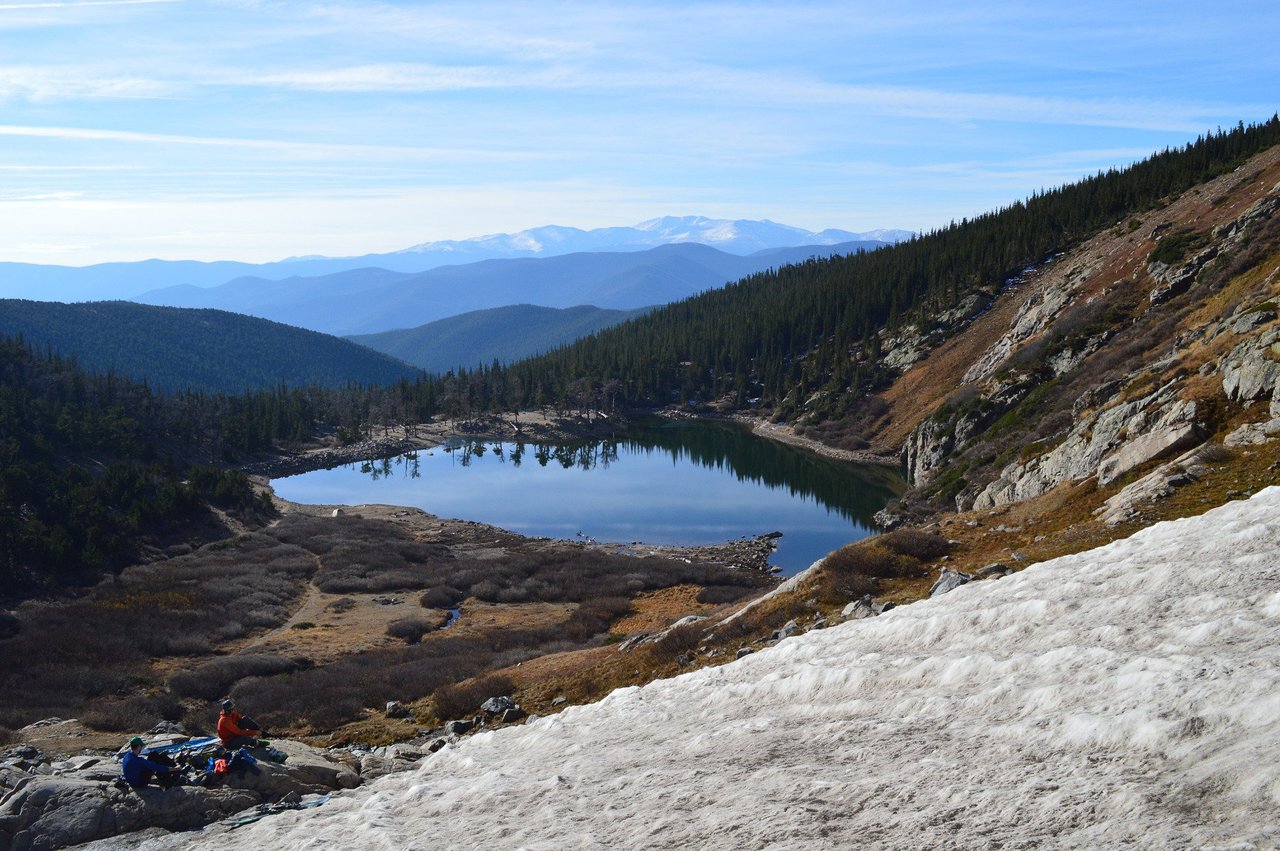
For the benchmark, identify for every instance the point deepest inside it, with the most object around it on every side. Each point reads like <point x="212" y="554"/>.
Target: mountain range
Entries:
<point x="505" y="334"/>
<point x="126" y="280"/>
<point x="371" y="300"/>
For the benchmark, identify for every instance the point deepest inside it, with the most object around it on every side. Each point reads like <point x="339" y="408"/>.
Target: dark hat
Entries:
<point x="228" y="705"/>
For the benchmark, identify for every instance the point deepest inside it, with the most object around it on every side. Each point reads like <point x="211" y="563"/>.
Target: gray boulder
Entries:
<point x="949" y="580"/>
<point x="859" y="609"/>
<point x="1157" y="443"/>
<point x="497" y="705"/>
<point x="1246" y="322"/>
<point x="788" y="629"/>
<point x="56" y="812"/>
<point x="459" y="726"/>
<point x="994" y="571"/>
<point x="1251" y="434"/>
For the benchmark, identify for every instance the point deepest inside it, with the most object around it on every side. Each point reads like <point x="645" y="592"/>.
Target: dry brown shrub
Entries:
<point x="716" y="595"/>
<point x="869" y="559"/>
<point x="411" y="629"/>
<point x="441" y="597"/>
<point x="131" y="714"/>
<point x="682" y="639"/>
<point x="833" y="588"/>
<point x="215" y="678"/>
<point x="460" y="699"/>
<point x="914" y="543"/>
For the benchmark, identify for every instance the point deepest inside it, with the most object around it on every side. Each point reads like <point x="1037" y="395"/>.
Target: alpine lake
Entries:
<point x="679" y="482"/>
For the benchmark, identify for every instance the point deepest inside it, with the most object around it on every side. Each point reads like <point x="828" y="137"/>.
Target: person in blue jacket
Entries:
<point x="138" y="770"/>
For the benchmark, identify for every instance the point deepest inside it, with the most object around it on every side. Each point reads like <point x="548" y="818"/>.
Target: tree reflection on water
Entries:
<point x="856" y="491"/>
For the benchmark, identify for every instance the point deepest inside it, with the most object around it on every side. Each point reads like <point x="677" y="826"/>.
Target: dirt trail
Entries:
<point x="308" y="610"/>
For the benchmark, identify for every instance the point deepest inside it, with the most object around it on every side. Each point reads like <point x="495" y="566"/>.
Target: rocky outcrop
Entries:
<point x="46" y="803"/>
<point x="967" y="309"/>
<point x="1250" y="371"/>
<point x="1175" y="429"/>
<point x="1106" y="444"/>
<point x="905" y="349"/>
<point x="1033" y="316"/>
<point x="927" y="448"/>
<point x="1158" y="484"/>
<point x="937" y="438"/>
<point x="1173" y="281"/>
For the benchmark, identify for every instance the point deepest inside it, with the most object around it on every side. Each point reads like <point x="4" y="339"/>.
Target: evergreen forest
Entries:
<point x="175" y="348"/>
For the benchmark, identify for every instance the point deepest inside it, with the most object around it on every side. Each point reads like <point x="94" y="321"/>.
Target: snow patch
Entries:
<point x="1125" y="696"/>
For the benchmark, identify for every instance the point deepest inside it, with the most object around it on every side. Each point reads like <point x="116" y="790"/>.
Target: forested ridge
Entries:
<point x="505" y="334"/>
<point x="211" y="350"/>
<point x="83" y="474"/>
<point x="93" y="465"/>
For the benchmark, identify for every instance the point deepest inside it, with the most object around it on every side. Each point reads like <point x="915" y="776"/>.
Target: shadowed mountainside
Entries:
<point x="504" y="334"/>
<point x="210" y="350"/>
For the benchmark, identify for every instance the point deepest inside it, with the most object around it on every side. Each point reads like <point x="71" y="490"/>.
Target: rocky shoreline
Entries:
<point x="783" y="433"/>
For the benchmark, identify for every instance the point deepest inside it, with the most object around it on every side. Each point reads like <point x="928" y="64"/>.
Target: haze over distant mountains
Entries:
<point x="739" y="236"/>
<point x="128" y="280"/>
<point x="368" y="301"/>
<point x="505" y="334"/>
<point x="438" y="305"/>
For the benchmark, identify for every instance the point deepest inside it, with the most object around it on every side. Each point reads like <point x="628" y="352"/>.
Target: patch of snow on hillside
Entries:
<point x="1127" y="695"/>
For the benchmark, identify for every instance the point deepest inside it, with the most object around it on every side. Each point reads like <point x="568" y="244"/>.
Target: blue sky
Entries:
<point x="258" y="130"/>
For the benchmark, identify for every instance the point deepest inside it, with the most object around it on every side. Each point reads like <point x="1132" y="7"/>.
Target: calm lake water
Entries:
<point x="662" y="482"/>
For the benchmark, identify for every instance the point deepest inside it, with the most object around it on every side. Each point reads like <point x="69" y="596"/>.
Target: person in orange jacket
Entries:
<point x="234" y="729"/>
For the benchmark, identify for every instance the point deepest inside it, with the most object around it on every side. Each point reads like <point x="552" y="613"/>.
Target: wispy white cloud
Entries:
<point x="403" y="77"/>
<point x="511" y="30"/>
<point x="290" y="147"/>
<point x="44" y="196"/>
<point x="81" y="4"/>
<point x="55" y="169"/>
<point x="65" y="82"/>
<point x="276" y="127"/>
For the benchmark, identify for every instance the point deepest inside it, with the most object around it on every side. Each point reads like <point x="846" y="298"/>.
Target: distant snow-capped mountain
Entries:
<point x="740" y="236"/>
<point x="130" y="280"/>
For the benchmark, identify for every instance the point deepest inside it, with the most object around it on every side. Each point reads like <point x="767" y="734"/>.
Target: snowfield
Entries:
<point x="1125" y="696"/>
